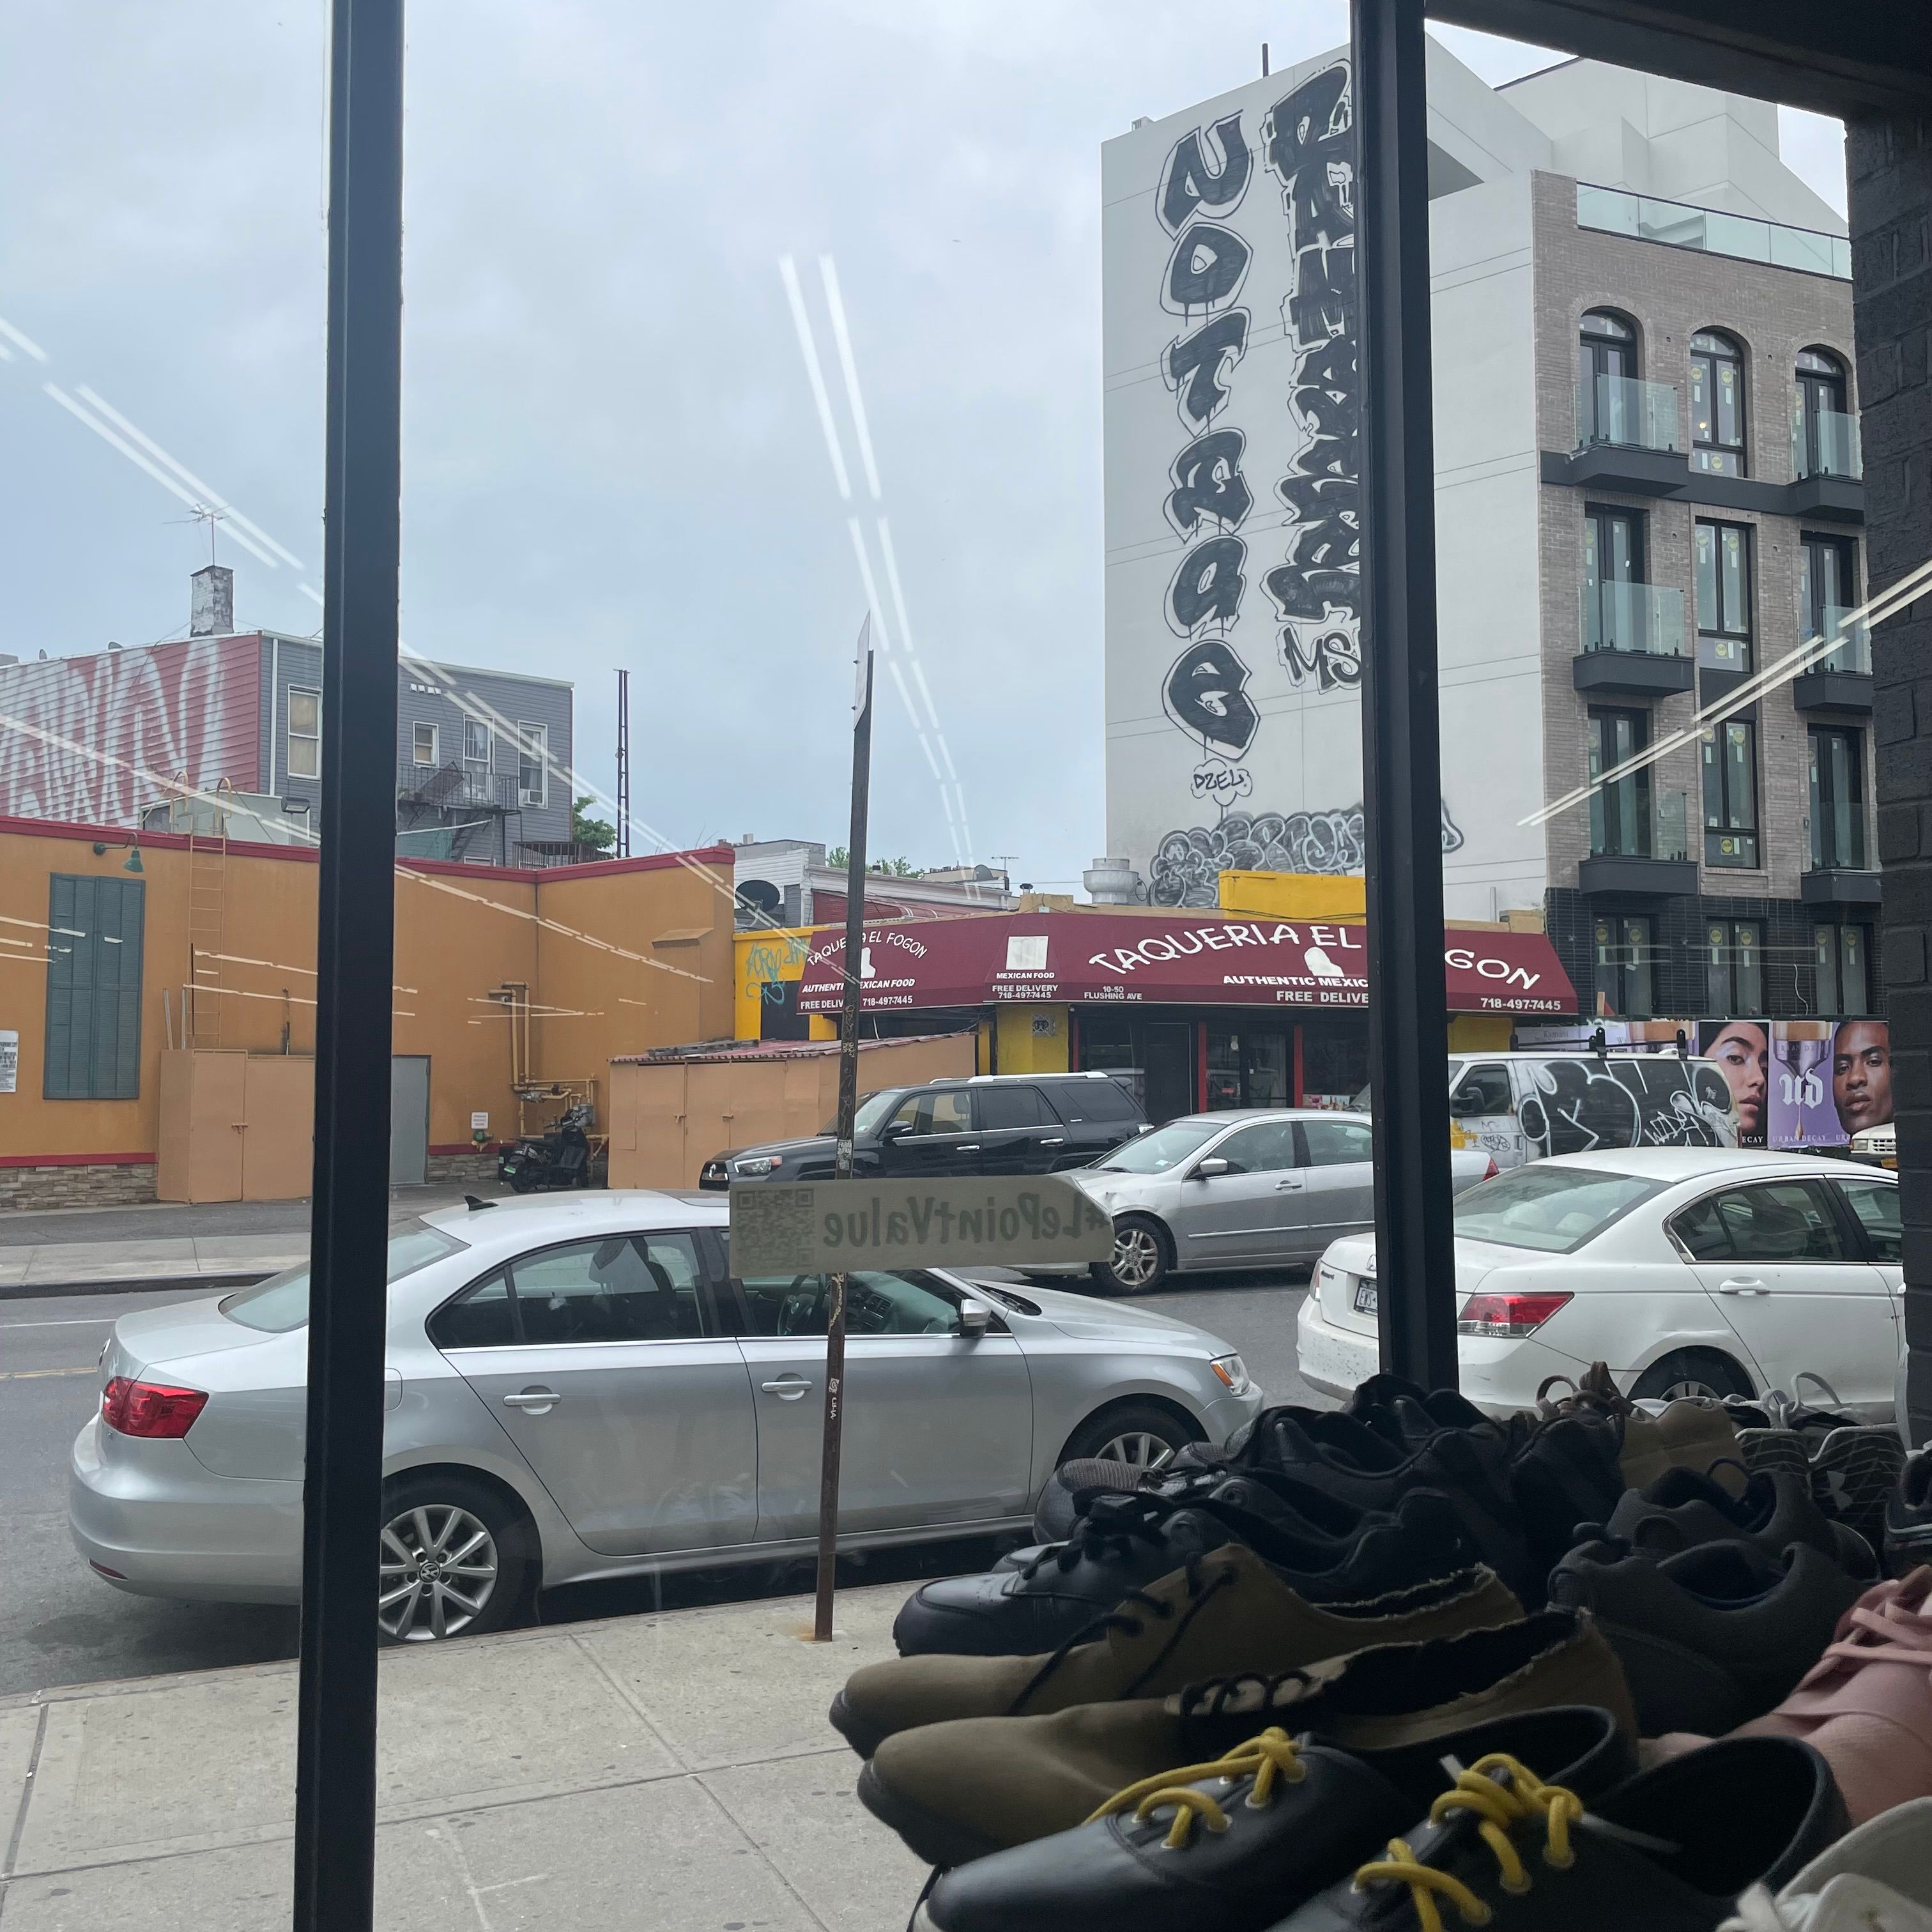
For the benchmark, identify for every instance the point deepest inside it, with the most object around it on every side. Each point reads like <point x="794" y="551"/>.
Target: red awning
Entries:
<point x="1184" y="958"/>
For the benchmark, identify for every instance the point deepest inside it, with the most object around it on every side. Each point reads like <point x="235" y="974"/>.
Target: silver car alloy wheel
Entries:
<point x="1137" y="1449"/>
<point x="1136" y="1256"/>
<point x="438" y="1570"/>
<point x="1692" y="1388"/>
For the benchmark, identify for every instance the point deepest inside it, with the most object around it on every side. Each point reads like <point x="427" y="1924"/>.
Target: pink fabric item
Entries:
<point x="1866" y="1704"/>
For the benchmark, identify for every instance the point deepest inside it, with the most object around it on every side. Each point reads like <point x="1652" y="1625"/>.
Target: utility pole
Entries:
<point x="848" y="1106"/>
<point x="623" y="762"/>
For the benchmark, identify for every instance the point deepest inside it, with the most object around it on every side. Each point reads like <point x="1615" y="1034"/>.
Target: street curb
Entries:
<point x="32" y="1291"/>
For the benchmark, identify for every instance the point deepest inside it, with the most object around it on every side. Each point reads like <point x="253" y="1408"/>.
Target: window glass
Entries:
<point x="876" y="1303"/>
<point x="1717" y="404"/>
<point x="1555" y="1209"/>
<point x="1703" y="1231"/>
<point x="1779" y="1221"/>
<point x="1338" y="1143"/>
<point x="871" y="1114"/>
<point x="425" y="744"/>
<point x="634" y="1288"/>
<point x="1081" y="1100"/>
<point x="1164" y="1148"/>
<point x="1010" y="1107"/>
<point x="479" y="1318"/>
<point x="475" y="741"/>
<point x="1838" y="798"/>
<point x="1261" y="1149"/>
<point x="1875" y="1203"/>
<point x="305" y="753"/>
<point x="281" y="1303"/>
<point x="1721" y="552"/>
<point x="1482" y="1090"/>
<point x="1730" y="752"/>
<point x="949" y="1112"/>
<point x="533" y="764"/>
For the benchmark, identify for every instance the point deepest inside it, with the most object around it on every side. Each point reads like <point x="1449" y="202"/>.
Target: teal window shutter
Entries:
<point x="95" y="930"/>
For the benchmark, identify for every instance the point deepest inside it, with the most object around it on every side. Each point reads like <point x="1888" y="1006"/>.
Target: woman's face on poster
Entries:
<point x="1743" y="1052"/>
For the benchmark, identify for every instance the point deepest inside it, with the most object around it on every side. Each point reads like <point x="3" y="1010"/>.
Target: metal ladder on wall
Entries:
<point x="207" y="921"/>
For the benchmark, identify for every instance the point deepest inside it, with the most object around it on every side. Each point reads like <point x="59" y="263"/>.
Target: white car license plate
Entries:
<point x="1366" y="1303"/>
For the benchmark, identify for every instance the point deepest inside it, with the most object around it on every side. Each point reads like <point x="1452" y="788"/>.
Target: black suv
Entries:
<point x="990" y="1124"/>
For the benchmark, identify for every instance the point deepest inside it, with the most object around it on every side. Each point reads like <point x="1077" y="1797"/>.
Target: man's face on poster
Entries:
<point x="1861" y="1074"/>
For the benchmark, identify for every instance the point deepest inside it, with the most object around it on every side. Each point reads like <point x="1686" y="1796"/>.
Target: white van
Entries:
<point x="1519" y="1107"/>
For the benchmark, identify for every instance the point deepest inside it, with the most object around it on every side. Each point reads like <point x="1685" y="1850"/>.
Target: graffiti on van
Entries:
<point x="1582" y="1104"/>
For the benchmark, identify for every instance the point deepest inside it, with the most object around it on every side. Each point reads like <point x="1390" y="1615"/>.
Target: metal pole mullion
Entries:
<point x="335" y="1752"/>
<point x="1409" y="1035"/>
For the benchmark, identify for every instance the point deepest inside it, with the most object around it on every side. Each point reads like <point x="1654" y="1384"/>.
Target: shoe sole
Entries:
<point x="939" y="1841"/>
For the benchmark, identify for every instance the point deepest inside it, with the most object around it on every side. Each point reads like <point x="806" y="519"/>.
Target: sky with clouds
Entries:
<point x="612" y="453"/>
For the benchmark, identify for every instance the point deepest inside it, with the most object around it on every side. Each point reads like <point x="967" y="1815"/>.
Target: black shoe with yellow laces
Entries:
<point x="1227" y="1845"/>
<point x="1668" y="1852"/>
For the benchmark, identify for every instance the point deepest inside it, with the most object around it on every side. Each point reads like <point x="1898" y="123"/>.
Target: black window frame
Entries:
<point x="1630" y="983"/>
<point x="1631" y="795"/>
<point x="1837" y="832"/>
<point x="1712" y="351"/>
<point x="1730" y="839"/>
<point x="1726" y="638"/>
<point x="1597" y="351"/>
<point x="91" y="1038"/>
<point x="1824" y="387"/>
<point x="1599" y="519"/>
<point x="1812" y="602"/>
<point x="1831" y="954"/>
<point x="1731" y="989"/>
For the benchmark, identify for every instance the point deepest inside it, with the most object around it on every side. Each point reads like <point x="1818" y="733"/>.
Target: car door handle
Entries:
<point x="967" y="1146"/>
<point x="1743" y="1285"/>
<point x="1053" y="1140"/>
<point x="787" y="1388"/>
<point x="535" y="1400"/>
<point x="1289" y="1186"/>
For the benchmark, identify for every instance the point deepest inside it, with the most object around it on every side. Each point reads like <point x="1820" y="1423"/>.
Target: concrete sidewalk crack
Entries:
<point x="26" y="1798"/>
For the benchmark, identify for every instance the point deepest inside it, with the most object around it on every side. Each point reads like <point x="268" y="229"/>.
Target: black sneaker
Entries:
<point x="1908" y="1517"/>
<point x="1713" y="1637"/>
<point x="1227" y="1844"/>
<point x="1668" y="1850"/>
<point x="1564" y="1474"/>
<point x="1682" y="1509"/>
<point x="1124" y="1542"/>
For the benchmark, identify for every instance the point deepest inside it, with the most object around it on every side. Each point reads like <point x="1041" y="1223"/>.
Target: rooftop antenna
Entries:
<point x="204" y="513"/>
<point x="623" y="762"/>
<point x="1264" y="64"/>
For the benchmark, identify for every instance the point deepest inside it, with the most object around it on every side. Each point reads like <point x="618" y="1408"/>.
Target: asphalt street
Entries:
<point x="60" y="1624"/>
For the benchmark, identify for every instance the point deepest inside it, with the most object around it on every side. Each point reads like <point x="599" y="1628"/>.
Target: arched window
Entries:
<point x="1717" y="404"/>
<point x="1606" y="391"/>
<point x="1825" y="433"/>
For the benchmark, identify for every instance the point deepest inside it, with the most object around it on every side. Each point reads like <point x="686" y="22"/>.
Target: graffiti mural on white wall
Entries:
<point x="94" y="740"/>
<point x="1234" y="548"/>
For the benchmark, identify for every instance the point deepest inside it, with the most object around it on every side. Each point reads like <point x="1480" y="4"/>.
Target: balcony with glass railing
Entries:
<point x="1848" y="638"/>
<point x="1839" y="678"/>
<point x="1644" y="618"/>
<point x="1825" y="442"/>
<point x="1711" y="232"/>
<point x="1625" y="413"/>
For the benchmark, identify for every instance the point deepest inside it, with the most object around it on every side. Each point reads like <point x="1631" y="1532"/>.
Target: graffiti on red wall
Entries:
<point x="94" y="740"/>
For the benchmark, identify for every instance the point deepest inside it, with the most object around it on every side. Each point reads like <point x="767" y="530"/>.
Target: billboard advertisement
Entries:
<point x="1803" y="1083"/>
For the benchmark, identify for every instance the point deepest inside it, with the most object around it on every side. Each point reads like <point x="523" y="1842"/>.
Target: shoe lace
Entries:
<point x="1758" y="1911"/>
<point x="1129" y="1619"/>
<point x="1112" y="1525"/>
<point x="1593" y="1394"/>
<point x="1271" y="1760"/>
<point x="1887" y="1631"/>
<point x="1500" y="1792"/>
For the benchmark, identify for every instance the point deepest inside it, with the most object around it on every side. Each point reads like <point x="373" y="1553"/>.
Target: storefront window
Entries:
<point x="1334" y="1059"/>
<point x="1248" y="1066"/>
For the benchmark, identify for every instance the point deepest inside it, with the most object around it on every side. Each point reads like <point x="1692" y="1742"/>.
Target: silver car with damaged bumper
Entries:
<point x="579" y="1388"/>
<point x="1251" y="1187"/>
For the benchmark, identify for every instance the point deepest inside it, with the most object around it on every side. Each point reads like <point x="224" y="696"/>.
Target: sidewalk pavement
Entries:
<point x="673" y="1773"/>
<point x="72" y="1267"/>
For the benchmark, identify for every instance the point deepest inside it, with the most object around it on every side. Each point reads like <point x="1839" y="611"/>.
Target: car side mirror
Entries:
<point x="1208" y="1169"/>
<point x="974" y="1317"/>
<point x="895" y="1130"/>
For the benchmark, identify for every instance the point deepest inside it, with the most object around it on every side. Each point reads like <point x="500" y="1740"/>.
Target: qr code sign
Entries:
<point x="774" y="1230"/>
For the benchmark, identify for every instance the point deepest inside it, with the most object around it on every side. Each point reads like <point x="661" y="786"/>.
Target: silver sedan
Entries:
<point x="581" y="1388"/>
<point x="1250" y="1188"/>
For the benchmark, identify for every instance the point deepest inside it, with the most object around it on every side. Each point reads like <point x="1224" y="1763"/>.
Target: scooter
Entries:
<point x="559" y="1158"/>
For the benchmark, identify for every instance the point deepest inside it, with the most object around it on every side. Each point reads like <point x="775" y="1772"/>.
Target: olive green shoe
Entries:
<point x="1224" y="1611"/>
<point x="957" y="1791"/>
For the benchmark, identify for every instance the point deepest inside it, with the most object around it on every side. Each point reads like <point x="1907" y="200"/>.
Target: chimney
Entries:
<point x="211" y="601"/>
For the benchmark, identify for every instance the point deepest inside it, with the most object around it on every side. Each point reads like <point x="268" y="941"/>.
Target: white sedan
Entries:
<point x="1689" y="1271"/>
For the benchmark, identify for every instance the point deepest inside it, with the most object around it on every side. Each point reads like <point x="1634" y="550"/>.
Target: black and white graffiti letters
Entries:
<point x="1187" y="864"/>
<point x="1206" y="268"/>
<point x="1195" y="366"/>
<point x="1208" y="485"/>
<point x="1222" y="783"/>
<point x="1309" y="136"/>
<point x="1189" y="182"/>
<point x="1206" y="591"/>
<point x="1645" y="1100"/>
<point x="1309" y="139"/>
<point x="1206" y="695"/>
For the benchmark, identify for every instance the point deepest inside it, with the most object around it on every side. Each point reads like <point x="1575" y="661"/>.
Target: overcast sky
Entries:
<point x="611" y="451"/>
